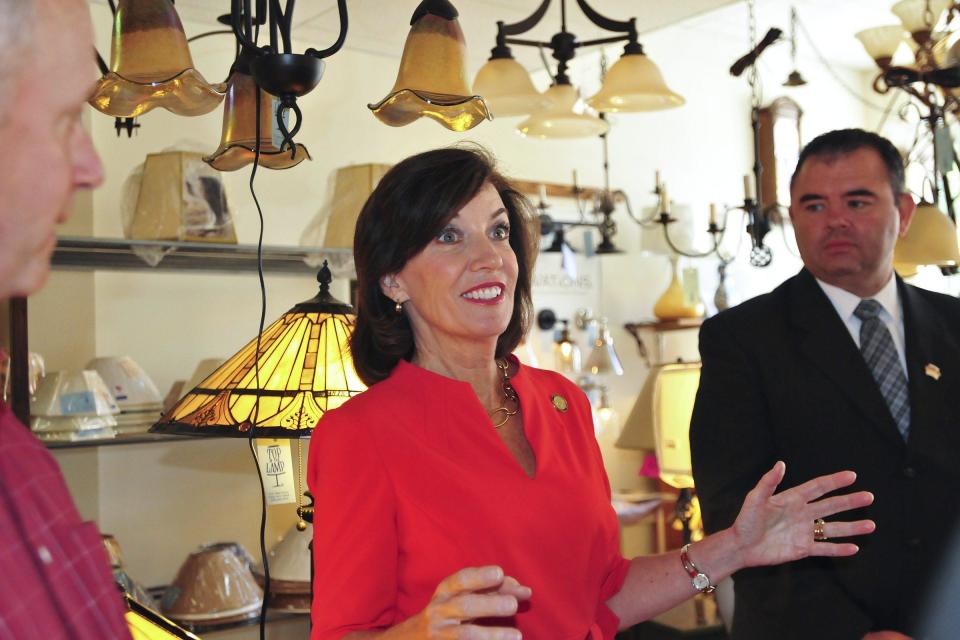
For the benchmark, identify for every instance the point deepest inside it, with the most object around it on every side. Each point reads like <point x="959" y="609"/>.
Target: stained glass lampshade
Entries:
<point x="432" y="81"/>
<point x="304" y="369"/>
<point x="146" y="624"/>
<point x="151" y="66"/>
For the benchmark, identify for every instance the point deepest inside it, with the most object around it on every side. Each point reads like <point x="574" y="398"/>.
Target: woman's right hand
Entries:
<point x="469" y="594"/>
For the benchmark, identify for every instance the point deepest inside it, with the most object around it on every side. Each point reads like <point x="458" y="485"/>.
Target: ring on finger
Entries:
<point x="819" y="530"/>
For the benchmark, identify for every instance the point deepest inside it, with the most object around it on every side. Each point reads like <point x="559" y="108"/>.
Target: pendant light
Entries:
<point x="432" y="81"/>
<point x="633" y="84"/>
<point x="564" y="118"/>
<point x="151" y="66"/>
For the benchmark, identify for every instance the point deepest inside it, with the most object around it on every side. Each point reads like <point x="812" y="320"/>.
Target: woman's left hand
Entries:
<point x="776" y="528"/>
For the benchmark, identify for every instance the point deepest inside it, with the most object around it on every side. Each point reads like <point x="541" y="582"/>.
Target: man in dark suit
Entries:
<point x="812" y="375"/>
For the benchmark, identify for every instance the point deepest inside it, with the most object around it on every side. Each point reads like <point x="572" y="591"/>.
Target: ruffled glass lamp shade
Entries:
<point x="507" y="88"/>
<point x="239" y="138"/>
<point x="930" y="240"/>
<point x="432" y="81"/>
<point x="881" y="43"/>
<point x="305" y="369"/>
<point x="634" y="83"/>
<point x="150" y="65"/>
<point x="562" y="118"/>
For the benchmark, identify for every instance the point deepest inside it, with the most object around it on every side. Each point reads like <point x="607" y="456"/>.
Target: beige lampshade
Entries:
<point x="660" y="420"/>
<point x="305" y="368"/>
<point x="238" y="140"/>
<point x="881" y="43"/>
<point x="634" y="83"/>
<point x="563" y="118"/>
<point x="432" y="81"/>
<point x="352" y="186"/>
<point x="930" y="240"/>
<point x="912" y="12"/>
<point x="150" y="65"/>
<point x="507" y="88"/>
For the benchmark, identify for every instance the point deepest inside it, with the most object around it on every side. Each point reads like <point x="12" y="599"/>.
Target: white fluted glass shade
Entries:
<point x="881" y="43"/>
<point x="634" y="83"/>
<point x="562" y="119"/>
<point x="912" y="12"/>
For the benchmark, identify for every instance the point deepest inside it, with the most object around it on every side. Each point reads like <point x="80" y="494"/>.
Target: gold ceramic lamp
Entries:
<point x="151" y="66"/>
<point x="239" y="138"/>
<point x="634" y="84"/>
<point x="432" y="81"/>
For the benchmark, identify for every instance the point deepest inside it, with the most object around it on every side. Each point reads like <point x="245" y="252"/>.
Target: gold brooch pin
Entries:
<point x="932" y="370"/>
<point x="559" y="402"/>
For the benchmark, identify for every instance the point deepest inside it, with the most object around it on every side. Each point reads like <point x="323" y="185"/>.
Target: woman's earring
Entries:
<point x="398" y="307"/>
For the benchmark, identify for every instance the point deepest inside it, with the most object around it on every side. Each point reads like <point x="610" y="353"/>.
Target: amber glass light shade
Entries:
<point x="150" y="65"/>
<point x="239" y="138"/>
<point x="881" y="43"/>
<point x="507" y="88"/>
<point x="660" y="420"/>
<point x="634" y="83"/>
<point x="562" y="118"/>
<point x="432" y="81"/>
<point x="305" y="369"/>
<point x="930" y="240"/>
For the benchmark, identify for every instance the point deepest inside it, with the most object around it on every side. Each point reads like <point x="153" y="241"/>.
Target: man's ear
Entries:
<point x="905" y="210"/>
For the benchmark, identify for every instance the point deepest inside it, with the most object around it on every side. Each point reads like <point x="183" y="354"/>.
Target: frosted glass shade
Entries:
<point x="150" y="65"/>
<point x="911" y="14"/>
<point x="634" y="83"/>
<point x="238" y="140"/>
<point x="562" y="119"/>
<point x="432" y="81"/>
<point x="881" y="43"/>
<point x="507" y="89"/>
<point x="931" y="240"/>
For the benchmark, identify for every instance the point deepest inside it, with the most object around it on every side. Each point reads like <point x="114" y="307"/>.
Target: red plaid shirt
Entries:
<point x="55" y="580"/>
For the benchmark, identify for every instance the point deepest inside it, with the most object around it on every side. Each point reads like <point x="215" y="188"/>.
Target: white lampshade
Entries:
<point x="911" y="13"/>
<point x="563" y="118"/>
<point x="881" y="43"/>
<point x="634" y="83"/>
<point x="931" y="240"/>
<point x="506" y="87"/>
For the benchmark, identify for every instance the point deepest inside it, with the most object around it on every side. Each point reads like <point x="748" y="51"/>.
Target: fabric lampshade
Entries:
<point x="239" y="138"/>
<point x="151" y="66"/>
<point x="634" y="83"/>
<point x="507" y="88"/>
<point x="660" y="420"/>
<point x="352" y="187"/>
<point x="305" y="369"/>
<point x="563" y="118"/>
<point x="930" y="240"/>
<point x="432" y="81"/>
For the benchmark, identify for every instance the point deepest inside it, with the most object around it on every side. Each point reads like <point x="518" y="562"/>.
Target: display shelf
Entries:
<point x="146" y="255"/>
<point x="129" y="438"/>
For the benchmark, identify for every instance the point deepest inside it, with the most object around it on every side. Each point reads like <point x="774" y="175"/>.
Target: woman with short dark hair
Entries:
<point x="463" y="495"/>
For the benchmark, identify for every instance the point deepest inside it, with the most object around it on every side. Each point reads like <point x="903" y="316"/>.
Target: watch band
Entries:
<point x="701" y="581"/>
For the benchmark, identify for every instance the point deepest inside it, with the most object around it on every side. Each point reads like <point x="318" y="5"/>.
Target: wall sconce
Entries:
<point x="634" y="83"/>
<point x="432" y="80"/>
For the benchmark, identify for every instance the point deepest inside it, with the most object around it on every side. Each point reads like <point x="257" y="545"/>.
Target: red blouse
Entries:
<point x="412" y="483"/>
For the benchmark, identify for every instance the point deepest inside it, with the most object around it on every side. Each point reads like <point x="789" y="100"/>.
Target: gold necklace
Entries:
<point x="509" y="396"/>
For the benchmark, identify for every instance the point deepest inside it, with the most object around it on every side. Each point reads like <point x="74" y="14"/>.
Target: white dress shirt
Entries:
<point x="891" y="313"/>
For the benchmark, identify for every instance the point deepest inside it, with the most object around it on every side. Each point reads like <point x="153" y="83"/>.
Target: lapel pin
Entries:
<point x="559" y="402"/>
<point x="932" y="370"/>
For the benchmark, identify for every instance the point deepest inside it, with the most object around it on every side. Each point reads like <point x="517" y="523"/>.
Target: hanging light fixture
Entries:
<point x="794" y="79"/>
<point x="432" y="81"/>
<point x="634" y="83"/>
<point x="238" y="143"/>
<point x="930" y="240"/>
<point x="151" y="66"/>
<point x="603" y="358"/>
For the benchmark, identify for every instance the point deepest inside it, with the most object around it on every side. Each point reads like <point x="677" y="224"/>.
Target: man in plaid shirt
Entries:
<point x="55" y="581"/>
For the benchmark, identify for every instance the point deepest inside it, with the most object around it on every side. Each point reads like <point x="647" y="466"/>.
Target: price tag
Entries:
<point x="276" y="469"/>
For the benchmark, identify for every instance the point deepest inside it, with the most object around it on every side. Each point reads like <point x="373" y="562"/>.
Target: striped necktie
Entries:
<point x="876" y="345"/>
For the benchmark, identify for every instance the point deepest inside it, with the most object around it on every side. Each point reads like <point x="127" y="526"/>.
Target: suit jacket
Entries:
<point x="782" y="379"/>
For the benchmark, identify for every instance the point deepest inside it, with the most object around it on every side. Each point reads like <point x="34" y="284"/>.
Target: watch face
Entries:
<point x="701" y="581"/>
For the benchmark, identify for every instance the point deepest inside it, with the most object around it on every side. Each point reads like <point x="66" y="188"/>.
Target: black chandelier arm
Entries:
<point x="526" y="24"/>
<point x="332" y="49"/>
<point x="282" y="106"/>
<point x="609" y="24"/>
<point x="528" y="43"/>
<point x="610" y="40"/>
<point x="101" y="63"/>
<point x="242" y="22"/>
<point x="689" y="254"/>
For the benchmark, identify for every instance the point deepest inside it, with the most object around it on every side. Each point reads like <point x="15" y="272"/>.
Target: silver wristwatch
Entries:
<point x="701" y="581"/>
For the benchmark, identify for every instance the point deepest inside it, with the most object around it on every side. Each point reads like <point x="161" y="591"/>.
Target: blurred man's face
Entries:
<point x="48" y="154"/>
